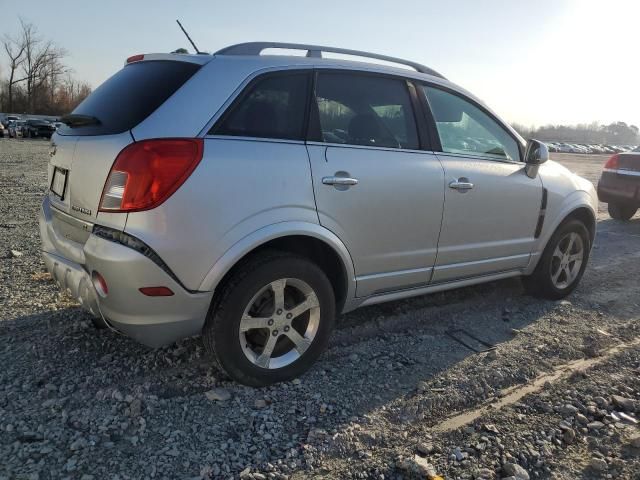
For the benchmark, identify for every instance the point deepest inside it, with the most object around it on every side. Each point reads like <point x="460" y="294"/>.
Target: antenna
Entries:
<point x="188" y="37"/>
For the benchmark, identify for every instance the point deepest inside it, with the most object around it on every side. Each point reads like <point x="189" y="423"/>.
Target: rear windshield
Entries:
<point x="130" y="96"/>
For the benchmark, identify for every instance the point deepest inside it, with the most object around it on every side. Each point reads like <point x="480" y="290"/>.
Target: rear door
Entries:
<point x="491" y="205"/>
<point x="374" y="186"/>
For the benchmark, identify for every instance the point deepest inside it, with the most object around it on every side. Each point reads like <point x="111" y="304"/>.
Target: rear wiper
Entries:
<point x="76" y="120"/>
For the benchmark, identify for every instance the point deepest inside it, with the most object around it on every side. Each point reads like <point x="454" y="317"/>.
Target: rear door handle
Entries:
<point x="339" y="181"/>
<point x="462" y="184"/>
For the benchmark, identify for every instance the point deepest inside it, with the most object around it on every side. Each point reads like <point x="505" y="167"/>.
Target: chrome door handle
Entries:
<point x="339" y="181"/>
<point x="461" y="184"/>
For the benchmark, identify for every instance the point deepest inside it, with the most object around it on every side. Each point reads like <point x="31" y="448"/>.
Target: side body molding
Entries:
<point x="279" y="230"/>
<point x="576" y="200"/>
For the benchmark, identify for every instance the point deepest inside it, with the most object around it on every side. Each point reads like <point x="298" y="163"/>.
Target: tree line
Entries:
<point x="616" y="133"/>
<point x="36" y="80"/>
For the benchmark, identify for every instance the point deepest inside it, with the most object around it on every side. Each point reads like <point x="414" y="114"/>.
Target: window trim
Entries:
<point x="247" y="90"/>
<point x="314" y="134"/>
<point x="433" y="128"/>
<point x="424" y="137"/>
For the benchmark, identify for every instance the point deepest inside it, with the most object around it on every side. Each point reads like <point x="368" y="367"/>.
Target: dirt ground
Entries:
<point x="395" y="396"/>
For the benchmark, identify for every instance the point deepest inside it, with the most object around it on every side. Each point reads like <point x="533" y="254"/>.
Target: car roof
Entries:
<point x="247" y="60"/>
<point x="251" y="53"/>
<point x="267" y="62"/>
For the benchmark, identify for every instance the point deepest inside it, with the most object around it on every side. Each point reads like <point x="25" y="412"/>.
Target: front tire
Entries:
<point x="621" y="212"/>
<point x="272" y="320"/>
<point x="562" y="263"/>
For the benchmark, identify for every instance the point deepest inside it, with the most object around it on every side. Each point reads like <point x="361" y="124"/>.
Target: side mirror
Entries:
<point x="535" y="155"/>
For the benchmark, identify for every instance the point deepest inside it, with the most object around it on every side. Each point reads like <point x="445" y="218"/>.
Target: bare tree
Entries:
<point x="42" y="61"/>
<point x="37" y="80"/>
<point x="15" y="49"/>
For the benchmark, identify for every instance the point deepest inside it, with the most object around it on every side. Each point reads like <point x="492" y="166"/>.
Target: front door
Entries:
<point x="374" y="187"/>
<point x="491" y="205"/>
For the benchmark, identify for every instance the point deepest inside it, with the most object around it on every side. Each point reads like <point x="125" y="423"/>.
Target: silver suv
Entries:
<point x="252" y="197"/>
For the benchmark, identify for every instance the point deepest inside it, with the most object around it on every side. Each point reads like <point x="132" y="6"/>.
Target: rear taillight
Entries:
<point x="146" y="173"/>
<point x="612" y="163"/>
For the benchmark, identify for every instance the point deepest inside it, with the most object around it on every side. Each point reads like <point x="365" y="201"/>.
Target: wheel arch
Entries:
<point x="309" y="240"/>
<point x="586" y="216"/>
<point x="577" y="207"/>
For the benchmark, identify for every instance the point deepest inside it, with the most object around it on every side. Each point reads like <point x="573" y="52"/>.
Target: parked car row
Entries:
<point x="15" y="127"/>
<point x="562" y="147"/>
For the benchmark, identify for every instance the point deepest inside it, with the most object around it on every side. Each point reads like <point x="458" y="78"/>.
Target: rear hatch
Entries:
<point x="86" y="146"/>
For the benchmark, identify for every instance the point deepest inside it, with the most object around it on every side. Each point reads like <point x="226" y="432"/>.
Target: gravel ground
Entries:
<point x="558" y="398"/>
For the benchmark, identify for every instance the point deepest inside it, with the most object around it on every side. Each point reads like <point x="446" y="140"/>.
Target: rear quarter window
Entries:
<point x="130" y="96"/>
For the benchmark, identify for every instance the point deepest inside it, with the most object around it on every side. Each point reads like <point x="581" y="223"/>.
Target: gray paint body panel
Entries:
<point x="490" y="227"/>
<point x="390" y="221"/>
<point x="239" y="187"/>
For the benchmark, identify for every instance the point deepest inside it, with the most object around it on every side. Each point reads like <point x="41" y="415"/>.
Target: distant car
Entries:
<point x="596" y="149"/>
<point x="15" y="128"/>
<point x="34" y="128"/>
<point x="582" y="148"/>
<point x="564" y="148"/>
<point x="579" y="148"/>
<point x="4" y="132"/>
<point x="588" y="148"/>
<point x="619" y="185"/>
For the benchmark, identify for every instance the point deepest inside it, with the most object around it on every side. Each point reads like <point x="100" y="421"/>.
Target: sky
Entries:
<point x="533" y="62"/>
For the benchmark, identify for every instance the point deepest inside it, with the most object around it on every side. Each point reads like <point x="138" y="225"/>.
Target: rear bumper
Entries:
<point x="70" y="277"/>
<point x="153" y="321"/>
<point x="619" y="188"/>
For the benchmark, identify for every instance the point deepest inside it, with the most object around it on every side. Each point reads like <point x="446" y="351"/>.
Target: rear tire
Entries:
<point x="558" y="271"/>
<point x="272" y="319"/>
<point x="621" y="212"/>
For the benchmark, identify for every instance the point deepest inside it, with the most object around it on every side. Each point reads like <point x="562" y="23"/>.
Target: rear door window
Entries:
<point x="130" y="96"/>
<point x="273" y="107"/>
<point x="368" y="110"/>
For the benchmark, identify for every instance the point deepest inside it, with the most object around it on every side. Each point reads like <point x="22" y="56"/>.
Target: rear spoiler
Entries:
<point x="174" y="57"/>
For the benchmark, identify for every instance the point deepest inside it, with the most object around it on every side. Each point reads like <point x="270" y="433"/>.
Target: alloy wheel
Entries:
<point x="279" y="323"/>
<point x="566" y="260"/>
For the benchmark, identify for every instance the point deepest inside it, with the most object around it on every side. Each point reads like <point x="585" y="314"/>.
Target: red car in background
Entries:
<point x="619" y="185"/>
